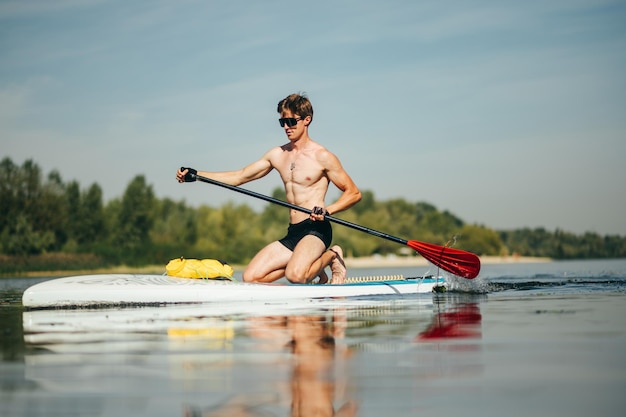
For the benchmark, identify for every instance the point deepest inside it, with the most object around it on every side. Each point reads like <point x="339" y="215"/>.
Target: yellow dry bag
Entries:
<point x="199" y="268"/>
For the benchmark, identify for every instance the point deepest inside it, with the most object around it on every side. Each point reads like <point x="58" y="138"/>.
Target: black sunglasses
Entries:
<point x="289" y="121"/>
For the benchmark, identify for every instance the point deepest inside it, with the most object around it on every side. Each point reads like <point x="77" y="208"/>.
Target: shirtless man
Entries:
<point x="307" y="169"/>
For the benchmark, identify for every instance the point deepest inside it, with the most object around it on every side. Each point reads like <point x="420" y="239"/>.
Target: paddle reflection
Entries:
<point x="459" y="321"/>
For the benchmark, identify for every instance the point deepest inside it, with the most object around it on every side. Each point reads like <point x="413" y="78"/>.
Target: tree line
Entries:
<point x="49" y="224"/>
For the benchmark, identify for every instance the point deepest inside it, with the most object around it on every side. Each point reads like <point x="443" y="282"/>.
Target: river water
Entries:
<point x="544" y="339"/>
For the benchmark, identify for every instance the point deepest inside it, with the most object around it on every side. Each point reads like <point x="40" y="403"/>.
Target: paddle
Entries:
<point x="457" y="262"/>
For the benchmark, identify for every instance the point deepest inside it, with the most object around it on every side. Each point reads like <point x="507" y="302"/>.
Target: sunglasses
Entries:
<point x="289" y="121"/>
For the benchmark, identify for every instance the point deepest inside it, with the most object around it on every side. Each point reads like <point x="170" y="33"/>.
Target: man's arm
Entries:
<point x="337" y="175"/>
<point x="249" y="173"/>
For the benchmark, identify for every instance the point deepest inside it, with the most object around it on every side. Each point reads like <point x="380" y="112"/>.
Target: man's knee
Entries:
<point x="247" y="277"/>
<point x="251" y="276"/>
<point x="297" y="274"/>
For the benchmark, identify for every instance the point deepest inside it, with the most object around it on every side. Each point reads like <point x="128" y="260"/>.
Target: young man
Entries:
<point x="307" y="169"/>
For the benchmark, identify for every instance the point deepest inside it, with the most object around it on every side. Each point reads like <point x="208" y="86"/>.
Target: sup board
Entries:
<point x="130" y="289"/>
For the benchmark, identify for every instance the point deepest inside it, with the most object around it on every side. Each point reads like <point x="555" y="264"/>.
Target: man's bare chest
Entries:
<point x="300" y="169"/>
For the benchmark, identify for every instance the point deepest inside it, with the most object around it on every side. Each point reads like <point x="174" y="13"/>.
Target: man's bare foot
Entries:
<point x="338" y="266"/>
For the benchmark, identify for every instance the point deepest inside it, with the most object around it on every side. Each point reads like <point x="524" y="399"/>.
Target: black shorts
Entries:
<point x="295" y="233"/>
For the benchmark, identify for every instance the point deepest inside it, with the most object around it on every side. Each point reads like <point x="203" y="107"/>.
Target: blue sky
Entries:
<point x="508" y="114"/>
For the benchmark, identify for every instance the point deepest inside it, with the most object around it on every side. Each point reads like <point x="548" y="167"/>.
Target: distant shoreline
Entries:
<point x="356" y="263"/>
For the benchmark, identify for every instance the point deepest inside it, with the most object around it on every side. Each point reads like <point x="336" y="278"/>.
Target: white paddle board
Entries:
<point x="123" y="289"/>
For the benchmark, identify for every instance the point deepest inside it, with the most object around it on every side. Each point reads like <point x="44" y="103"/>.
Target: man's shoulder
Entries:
<point x="276" y="150"/>
<point x="323" y="155"/>
<point x="276" y="155"/>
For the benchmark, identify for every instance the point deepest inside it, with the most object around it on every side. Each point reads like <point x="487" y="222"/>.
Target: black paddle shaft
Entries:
<point x="302" y="209"/>
<point x="455" y="261"/>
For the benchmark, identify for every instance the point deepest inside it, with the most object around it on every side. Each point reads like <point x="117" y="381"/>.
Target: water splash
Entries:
<point x="477" y="285"/>
<point x="546" y="282"/>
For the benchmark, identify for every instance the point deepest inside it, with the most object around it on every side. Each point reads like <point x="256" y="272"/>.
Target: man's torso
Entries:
<point x="303" y="175"/>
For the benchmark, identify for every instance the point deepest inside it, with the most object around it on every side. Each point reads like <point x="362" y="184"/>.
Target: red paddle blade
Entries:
<point x="457" y="262"/>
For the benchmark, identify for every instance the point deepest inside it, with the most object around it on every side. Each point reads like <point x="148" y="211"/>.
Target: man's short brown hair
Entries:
<point x="298" y="104"/>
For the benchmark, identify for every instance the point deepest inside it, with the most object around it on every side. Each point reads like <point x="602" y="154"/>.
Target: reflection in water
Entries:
<point x="247" y="360"/>
<point x="452" y="342"/>
<point x="237" y="406"/>
<point x="311" y="339"/>
<point x="243" y="364"/>
<point x="461" y="321"/>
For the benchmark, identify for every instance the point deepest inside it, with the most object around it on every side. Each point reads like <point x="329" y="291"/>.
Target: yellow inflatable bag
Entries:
<point x="199" y="268"/>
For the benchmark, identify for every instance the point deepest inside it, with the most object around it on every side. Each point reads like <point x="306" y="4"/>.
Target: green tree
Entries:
<point x="50" y="211"/>
<point x="9" y="203"/>
<point x="175" y="224"/>
<point x="232" y="233"/>
<point x="135" y="219"/>
<point x="20" y="239"/>
<point x="480" y="240"/>
<point x="93" y="227"/>
<point x="32" y="210"/>
<point x="73" y="206"/>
